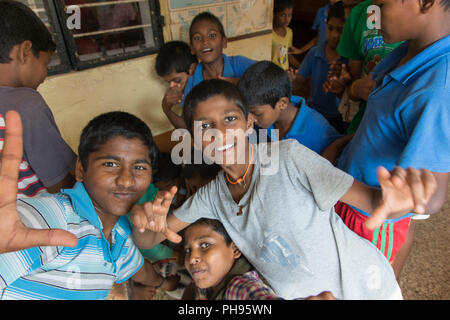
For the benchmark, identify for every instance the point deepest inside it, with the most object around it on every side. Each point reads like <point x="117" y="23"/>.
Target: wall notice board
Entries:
<point x="239" y="17"/>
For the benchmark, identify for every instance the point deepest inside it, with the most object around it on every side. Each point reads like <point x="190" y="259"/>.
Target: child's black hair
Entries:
<point x="280" y="5"/>
<point x="215" y="225"/>
<point x="264" y="83"/>
<point x="336" y="10"/>
<point x="19" y="23"/>
<point x="208" y="89"/>
<point x="210" y="17"/>
<point x="445" y="4"/>
<point x="166" y="169"/>
<point x="174" y="56"/>
<point x="115" y="124"/>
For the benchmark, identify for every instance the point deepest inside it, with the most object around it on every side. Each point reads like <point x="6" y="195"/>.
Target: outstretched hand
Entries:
<point x="153" y="215"/>
<point x="402" y="191"/>
<point x="14" y="235"/>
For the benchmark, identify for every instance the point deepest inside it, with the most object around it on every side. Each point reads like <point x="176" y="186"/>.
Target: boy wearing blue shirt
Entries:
<point x="113" y="171"/>
<point x="407" y="115"/>
<point x="267" y="89"/>
<point x="208" y="40"/>
<point x="316" y="66"/>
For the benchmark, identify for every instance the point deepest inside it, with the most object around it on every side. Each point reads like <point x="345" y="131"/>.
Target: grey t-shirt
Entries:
<point x="45" y="153"/>
<point x="289" y="230"/>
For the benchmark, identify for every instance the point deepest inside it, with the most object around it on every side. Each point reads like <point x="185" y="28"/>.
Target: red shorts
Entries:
<point x="388" y="238"/>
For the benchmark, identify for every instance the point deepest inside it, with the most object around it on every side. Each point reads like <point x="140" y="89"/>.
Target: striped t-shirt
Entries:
<point x="85" y="272"/>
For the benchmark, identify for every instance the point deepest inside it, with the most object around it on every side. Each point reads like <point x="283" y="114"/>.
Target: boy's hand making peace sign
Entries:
<point x="153" y="215"/>
<point x="14" y="235"/>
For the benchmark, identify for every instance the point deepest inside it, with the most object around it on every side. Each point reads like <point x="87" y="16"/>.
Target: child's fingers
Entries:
<point x="53" y="237"/>
<point x="172" y="236"/>
<point x="430" y="184"/>
<point x="378" y="216"/>
<point x="414" y="180"/>
<point x="384" y="177"/>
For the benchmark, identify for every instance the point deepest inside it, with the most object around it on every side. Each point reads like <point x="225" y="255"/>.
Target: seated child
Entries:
<point x="218" y="268"/>
<point x="208" y="40"/>
<point x="26" y="47"/>
<point x="283" y="220"/>
<point x="315" y="65"/>
<point x="113" y="171"/>
<point x="175" y="63"/>
<point x="267" y="90"/>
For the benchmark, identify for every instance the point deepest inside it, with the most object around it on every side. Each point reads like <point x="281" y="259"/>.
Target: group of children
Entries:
<point x="332" y="222"/>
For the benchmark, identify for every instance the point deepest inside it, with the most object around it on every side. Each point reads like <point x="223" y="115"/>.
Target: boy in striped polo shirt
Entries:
<point x="113" y="171"/>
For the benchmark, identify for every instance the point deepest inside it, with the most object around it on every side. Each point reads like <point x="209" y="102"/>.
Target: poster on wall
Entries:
<point x="239" y="17"/>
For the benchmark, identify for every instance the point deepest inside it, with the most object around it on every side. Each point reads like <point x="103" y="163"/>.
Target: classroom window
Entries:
<point x="90" y="33"/>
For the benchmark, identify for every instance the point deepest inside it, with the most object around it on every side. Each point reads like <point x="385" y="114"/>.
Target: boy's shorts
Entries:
<point x="388" y="238"/>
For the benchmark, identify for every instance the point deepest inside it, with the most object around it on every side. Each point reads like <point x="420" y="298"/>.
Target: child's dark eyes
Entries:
<point x="212" y="35"/>
<point x="205" y="245"/>
<point x="205" y="126"/>
<point x="110" y="164"/>
<point x="230" y="118"/>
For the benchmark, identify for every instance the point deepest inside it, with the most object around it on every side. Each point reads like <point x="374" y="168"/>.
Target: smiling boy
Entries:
<point x="113" y="171"/>
<point x="284" y="222"/>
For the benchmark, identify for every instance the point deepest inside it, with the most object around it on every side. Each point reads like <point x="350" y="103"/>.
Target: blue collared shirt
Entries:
<point x="233" y="67"/>
<point x="320" y="24"/>
<point x="316" y="65"/>
<point x="85" y="272"/>
<point x="310" y="128"/>
<point x="406" y="122"/>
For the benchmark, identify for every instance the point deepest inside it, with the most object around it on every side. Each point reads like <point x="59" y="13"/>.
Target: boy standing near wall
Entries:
<point x="26" y="48"/>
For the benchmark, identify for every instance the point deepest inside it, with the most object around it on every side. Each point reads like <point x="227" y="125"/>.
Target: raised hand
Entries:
<point x="338" y="78"/>
<point x="402" y="191"/>
<point x="14" y="235"/>
<point x="173" y="96"/>
<point x="153" y="215"/>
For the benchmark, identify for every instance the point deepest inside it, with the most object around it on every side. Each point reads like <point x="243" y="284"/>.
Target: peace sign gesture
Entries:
<point x="153" y="215"/>
<point x="14" y="235"/>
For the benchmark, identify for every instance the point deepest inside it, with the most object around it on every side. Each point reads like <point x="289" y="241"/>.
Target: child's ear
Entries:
<point x="251" y="119"/>
<point x="426" y="5"/>
<point x="24" y="51"/>
<point x="236" y="252"/>
<point x="282" y="103"/>
<point x="224" y="43"/>
<point x="79" y="171"/>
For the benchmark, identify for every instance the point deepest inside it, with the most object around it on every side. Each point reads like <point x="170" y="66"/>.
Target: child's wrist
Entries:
<point x="160" y="284"/>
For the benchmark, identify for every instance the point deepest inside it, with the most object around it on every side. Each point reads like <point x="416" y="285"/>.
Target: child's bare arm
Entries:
<point x="332" y="152"/>
<point x="172" y="97"/>
<point x="148" y="276"/>
<point x="402" y="191"/>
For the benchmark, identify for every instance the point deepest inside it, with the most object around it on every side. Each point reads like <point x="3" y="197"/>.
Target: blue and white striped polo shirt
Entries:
<point x="87" y="271"/>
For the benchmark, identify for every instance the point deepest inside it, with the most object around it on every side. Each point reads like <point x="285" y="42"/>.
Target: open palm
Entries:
<point x="13" y="234"/>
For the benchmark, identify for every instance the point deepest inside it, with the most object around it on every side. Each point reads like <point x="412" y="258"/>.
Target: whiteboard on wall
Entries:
<point x="239" y="17"/>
